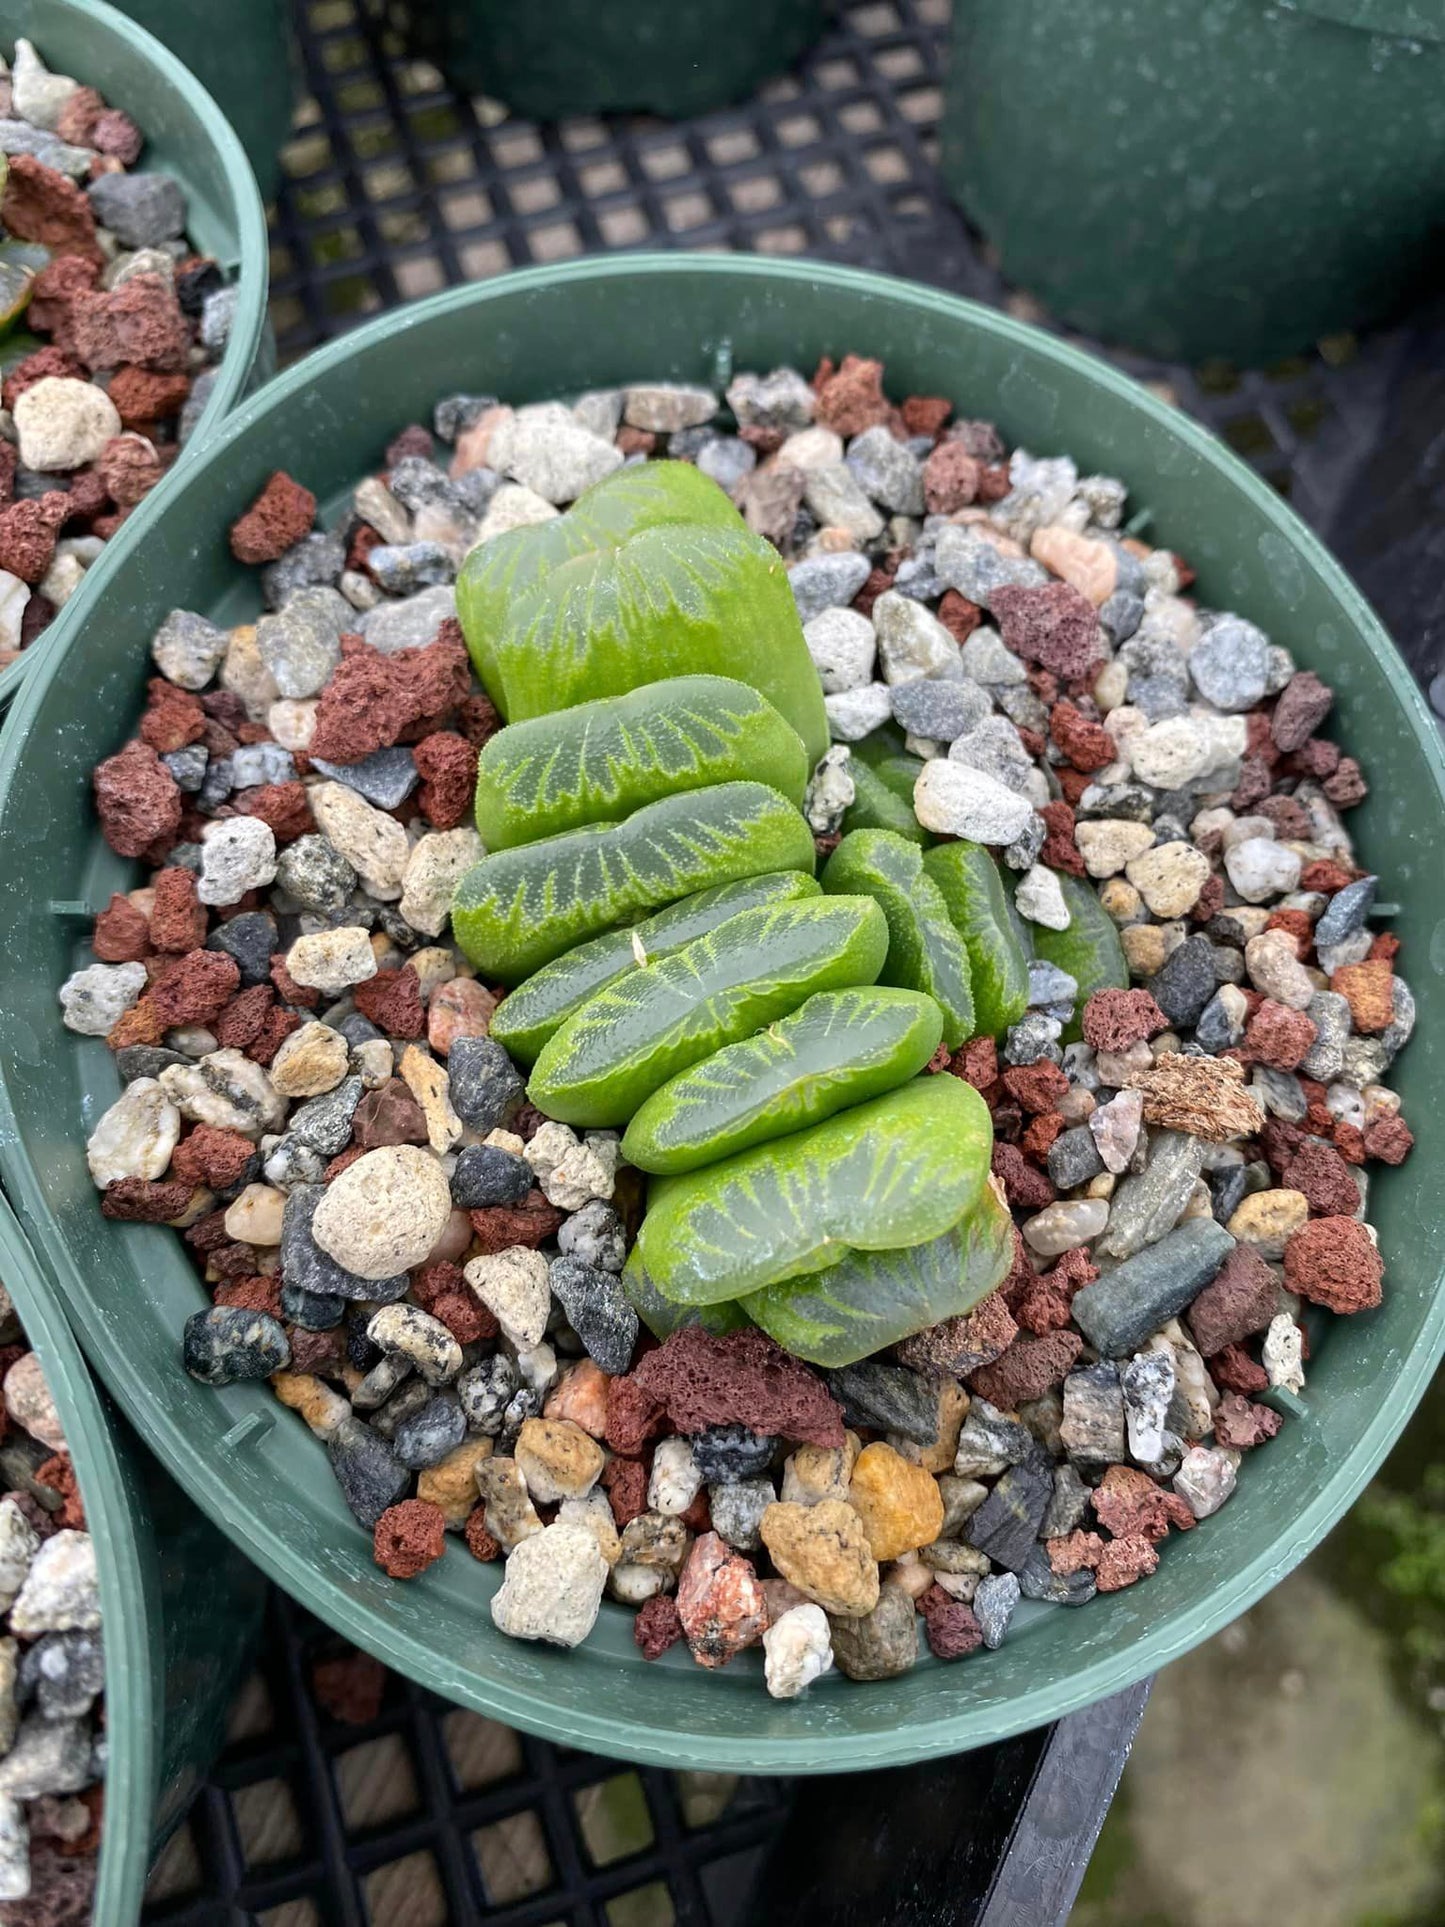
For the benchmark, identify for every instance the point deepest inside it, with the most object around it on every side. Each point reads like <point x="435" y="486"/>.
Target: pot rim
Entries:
<point x="512" y="1699"/>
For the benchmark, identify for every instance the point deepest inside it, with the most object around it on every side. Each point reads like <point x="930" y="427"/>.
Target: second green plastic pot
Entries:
<point x="549" y="58"/>
<point x="186" y="135"/>
<point x="180" y="1608"/>
<point x="1202" y="178"/>
<point x="252" y="1465"/>
<point x="240" y="51"/>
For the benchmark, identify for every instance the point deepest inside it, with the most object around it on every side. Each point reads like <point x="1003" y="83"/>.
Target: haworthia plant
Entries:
<point x="840" y="1048"/>
<point x="602" y="760"/>
<point x="875" y="1298"/>
<point x="666" y="1015"/>
<point x="651" y="573"/>
<point x="925" y="951"/>
<point x="1089" y="949"/>
<point x="527" y="1018"/>
<point x="895" y="1171"/>
<point x="517" y="910"/>
<point x="877" y="805"/>
<point x="662" y="1317"/>
<point x="981" y="912"/>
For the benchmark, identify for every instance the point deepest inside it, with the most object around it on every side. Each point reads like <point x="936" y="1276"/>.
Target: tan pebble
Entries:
<point x="823" y="1550"/>
<point x="1170" y="877"/>
<point x="557" y="1459"/>
<point x="1204" y="1096"/>
<point x="452" y="1482"/>
<point x="1090" y="567"/>
<point x="429" y="1084"/>
<point x="384" y="1213"/>
<point x="595" y="1513"/>
<point x="245" y="675"/>
<point x="817" y="1472"/>
<point x="254" y="1216"/>
<point x="312" y="1060"/>
<point x="1106" y="846"/>
<point x="898" y="1503"/>
<point x="1268" y="1220"/>
<point x="1144" y="948"/>
<point x="1121" y="901"/>
<point x="910" y="1573"/>
<point x="508" y="1511"/>
<point x="322" y="1407"/>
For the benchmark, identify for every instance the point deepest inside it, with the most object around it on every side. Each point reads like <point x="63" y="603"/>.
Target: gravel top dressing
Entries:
<point x="865" y="1131"/>
<point x="52" y="1671"/>
<point x="110" y="328"/>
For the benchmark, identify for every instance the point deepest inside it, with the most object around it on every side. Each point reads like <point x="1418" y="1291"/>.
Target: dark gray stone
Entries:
<point x="485" y="1392"/>
<point x="313" y="1311"/>
<point x="453" y="413"/>
<point x="595" y="1235"/>
<point x="1038" y="1580"/>
<point x="386" y="778"/>
<point x="315" y="873"/>
<point x="324" y="1123"/>
<point x="828" y="581"/>
<point x="405" y="567"/>
<point x="728" y="1454"/>
<point x="1067" y="1505"/>
<point x="597" y="1311"/>
<point x="484" y="1082"/>
<point x="369" y="1473"/>
<point x="141" y="210"/>
<point x="315" y="562"/>
<point x="1074" y="1158"/>
<point x="1006" y="1525"/>
<point x="251" y="939"/>
<point x="993" y="1606"/>
<point x="1092" y="1430"/>
<point x="1347" y="911"/>
<point x="887" y="1398"/>
<point x="880" y="1645"/>
<point x="216" y="786"/>
<point x="486" y="1175"/>
<point x="427" y="1437"/>
<point x="1186" y="982"/>
<point x="146" y="1060"/>
<point x="1226" y="1191"/>
<point x="939" y="710"/>
<point x="224" y="1343"/>
<point x="188" y="766"/>
<point x="1123" y="1307"/>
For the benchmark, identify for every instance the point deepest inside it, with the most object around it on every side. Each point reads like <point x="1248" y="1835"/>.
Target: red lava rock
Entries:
<point x="87" y="498"/>
<point x="281" y="806"/>
<point x="1350" y="1143"/>
<point x="341" y="1163"/>
<point x="136" y="797"/>
<point x="532" y="1222"/>
<point x="878" y="582"/>
<point x="1279" y="1036"/>
<point x="1088" y="745"/>
<point x="1038" y="1087"/>
<point x="1076" y="1551"/>
<point x="925" y="414"/>
<point x="392" y="1001"/>
<point x="1115" y="1019"/>
<point x="1389" y="1139"/>
<point x="1054" y="626"/>
<point x="852" y="399"/>
<point x="1333" y="1262"/>
<point x="1302" y="707"/>
<point x="951" y="1627"/>
<point x="635" y="441"/>
<point x="950" y="479"/>
<point x="195" y="988"/>
<point x="43" y="1524"/>
<point x="27" y="533"/>
<point x="448" y="767"/>
<point x="698" y="1516"/>
<point x="172" y="717"/>
<point x="1060" y="850"/>
<point x="251" y="1291"/>
<point x="130" y="468"/>
<point x="278" y="518"/>
<point x="1386" y="945"/>
<point x="1322" y="1174"/>
<point x="139" y="322"/>
<point x="480" y="1543"/>
<point x="441" y="1290"/>
<point x="78" y="116"/>
<point x="719" y="1602"/>
<point x="977" y="1063"/>
<point x="1368" y="988"/>
<point x="963" y="1343"/>
<point x="625" y="1483"/>
<point x="743" y="1378"/>
<point x="49" y="360"/>
<point x="40" y="204"/>
<point x="1243" y="1425"/>
<point x="390" y="1115"/>
<point x="276" y="1027"/>
<point x="1025" y="1186"/>
<point x="244" y="1018"/>
<point x="959" y="616"/>
<point x="9" y="462"/>
<point x="349" y="1688"/>
<point x="54" y="289"/>
<point x="409" y="1537"/>
<point x="143" y="396"/>
<point x="635" y="1414"/>
<point x="1128" y="1504"/>
<point x="121" y="934"/>
<point x="301" y="995"/>
<point x="213" y="1157"/>
<point x="1253" y="786"/>
<point x="116" y="134"/>
<point x="371" y="699"/>
<point x="58" y="1473"/>
<point x="1123" y="1561"/>
<point x="413" y="440"/>
<point x="1238" y="1301"/>
<point x="323" y="1353"/>
<point x="1233" y="1370"/>
<point x="145" y="1200"/>
<point x="207" y="1234"/>
<point x="1029" y="1368"/>
<point x="1038" y="1139"/>
<point x="62" y="1883"/>
<point x="1043" y="1303"/>
<point x="140" y="1024"/>
<point x="658" y="1625"/>
<point x="1297" y="925"/>
<point x="478" y="720"/>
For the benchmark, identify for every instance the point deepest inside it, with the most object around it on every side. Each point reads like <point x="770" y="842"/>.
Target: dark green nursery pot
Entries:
<point x="240" y="51"/>
<point x="179" y="1606"/>
<point x="186" y="135"/>
<point x="252" y="1466"/>
<point x="1199" y="178"/>
<point x="556" y="57"/>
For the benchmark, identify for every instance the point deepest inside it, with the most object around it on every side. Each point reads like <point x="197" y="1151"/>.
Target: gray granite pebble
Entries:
<point x="386" y="777"/>
<point x="141" y="210"/>
<point x="484" y="1082"/>
<point x="827" y="581"/>
<point x="597" y="1311"/>
<point x="594" y="1236"/>
<point x="225" y="1343"/>
<point x="993" y="1606"/>
<point x="1119" y="1310"/>
<point x="369" y="1473"/>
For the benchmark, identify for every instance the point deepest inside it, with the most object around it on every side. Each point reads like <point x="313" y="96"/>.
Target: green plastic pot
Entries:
<point x="251" y="1465"/>
<point x="240" y="51"/>
<point x="187" y="136"/>
<point x="1200" y="178"/>
<point x="180" y="1608"/>
<point x="550" y="58"/>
